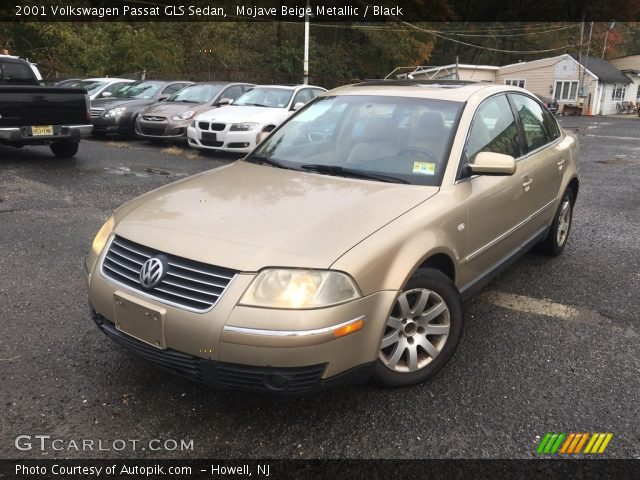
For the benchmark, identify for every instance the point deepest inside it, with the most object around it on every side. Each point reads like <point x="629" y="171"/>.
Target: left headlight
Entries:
<point x="114" y="112"/>
<point x="183" y="116"/>
<point x="242" y="127"/>
<point x="299" y="289"/>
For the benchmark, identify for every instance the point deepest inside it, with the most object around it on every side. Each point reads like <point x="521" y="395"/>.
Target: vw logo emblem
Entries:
<point x="152" y="273"/>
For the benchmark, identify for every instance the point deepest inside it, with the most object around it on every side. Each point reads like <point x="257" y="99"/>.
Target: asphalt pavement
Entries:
<point x="552" y="345"/>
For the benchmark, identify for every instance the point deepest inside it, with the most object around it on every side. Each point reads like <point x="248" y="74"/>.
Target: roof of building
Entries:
<point x="604" y="70"/>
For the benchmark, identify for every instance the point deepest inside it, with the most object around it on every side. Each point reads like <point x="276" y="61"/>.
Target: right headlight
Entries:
<point x="299" y="289"/>
<point x="98" y="243"/>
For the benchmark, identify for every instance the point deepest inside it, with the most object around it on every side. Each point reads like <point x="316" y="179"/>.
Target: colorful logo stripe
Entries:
<point x="573" y="443"/>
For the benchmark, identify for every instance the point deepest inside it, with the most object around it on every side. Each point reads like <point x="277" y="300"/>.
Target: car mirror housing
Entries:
<point x="297" y="106"/>
<point x="491" y="163"/>
<point x="105" y="94"/>
<point x="225" y="101"/>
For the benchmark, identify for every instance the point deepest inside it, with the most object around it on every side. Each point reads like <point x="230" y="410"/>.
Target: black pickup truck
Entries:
<point x="31" y="114"/>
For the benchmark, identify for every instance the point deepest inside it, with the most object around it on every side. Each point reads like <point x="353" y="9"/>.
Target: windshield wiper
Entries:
<point x="350" y="172"/>
<point x="263" y="160"/>
<point x="251" y="105"/>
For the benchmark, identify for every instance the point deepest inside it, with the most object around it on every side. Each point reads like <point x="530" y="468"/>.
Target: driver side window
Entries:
<point x="494" y="129"/>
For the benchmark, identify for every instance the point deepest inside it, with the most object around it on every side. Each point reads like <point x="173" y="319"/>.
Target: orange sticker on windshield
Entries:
<point x="424" y="168"/>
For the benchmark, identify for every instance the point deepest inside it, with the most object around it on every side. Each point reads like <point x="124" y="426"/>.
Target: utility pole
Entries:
<point x="612" y="24"/>
<point x="306" y="45"/>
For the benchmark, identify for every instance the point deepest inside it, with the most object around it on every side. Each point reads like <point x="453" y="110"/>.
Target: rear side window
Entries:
<point x="531" y="116"/>
<point x="14" y="72"/>
<point x="494" y="129"/>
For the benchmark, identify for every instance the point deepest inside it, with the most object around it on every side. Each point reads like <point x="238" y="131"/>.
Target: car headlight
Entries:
<point x="183" y="116"/>
<point x="299" y="289"/>
<point x="242" y="127"/>
<point x="98" y="243"/>
<point x="193" y="124"/>
<point x="114" y="112"/>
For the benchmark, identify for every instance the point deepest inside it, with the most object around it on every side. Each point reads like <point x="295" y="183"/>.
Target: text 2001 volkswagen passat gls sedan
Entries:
<point x="340" y="249"/>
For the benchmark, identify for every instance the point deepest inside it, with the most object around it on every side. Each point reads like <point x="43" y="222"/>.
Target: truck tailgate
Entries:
<point x="35" y="105"/>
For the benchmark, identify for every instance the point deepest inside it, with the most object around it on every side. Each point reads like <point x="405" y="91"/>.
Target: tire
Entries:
<point x="556" y="239"/>
<point x="64" y="149"/>
<point x="402" y="357"/>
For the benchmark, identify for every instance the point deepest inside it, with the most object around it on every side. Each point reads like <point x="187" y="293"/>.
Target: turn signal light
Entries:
<point x="349" y="328"/>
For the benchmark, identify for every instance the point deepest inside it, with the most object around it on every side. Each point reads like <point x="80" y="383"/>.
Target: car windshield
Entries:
<point x="398" y="138"/>
<point x="137" y="90"/>
<point x="91" y="86"/>
<point x="265" y="97"/>
<point x="196" y="94"/>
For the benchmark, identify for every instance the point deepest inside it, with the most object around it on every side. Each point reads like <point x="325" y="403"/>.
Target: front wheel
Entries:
<point x="557" y="237"/>
<point x="64" y="149"/>
<point x="422" y="330"/>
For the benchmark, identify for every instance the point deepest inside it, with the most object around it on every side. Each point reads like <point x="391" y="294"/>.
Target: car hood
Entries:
<point x="166" y="109"/>
<point x="246" y="217"/>
<point x="241" y="114"/>
<point x="108" y="103"/>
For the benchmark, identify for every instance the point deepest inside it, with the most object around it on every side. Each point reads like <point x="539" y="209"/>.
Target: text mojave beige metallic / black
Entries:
<point x="341" y="248"/>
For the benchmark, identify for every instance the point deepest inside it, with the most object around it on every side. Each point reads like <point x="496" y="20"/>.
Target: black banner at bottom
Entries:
<point x="317" y="469"/>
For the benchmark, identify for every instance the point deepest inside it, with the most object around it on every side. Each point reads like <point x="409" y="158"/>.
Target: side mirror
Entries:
<point x="105" y="94"/>
<point x="297" y="106"/>
<point x="224" y="101"/>
<point x="490" y="163"/>
<point x="163" y="98"/>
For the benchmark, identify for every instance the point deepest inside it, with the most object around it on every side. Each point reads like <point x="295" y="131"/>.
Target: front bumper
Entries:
<point x="24" y="136"/>
<point x="226" y="140"/>
<point x="161" y="130"/>
<point x="227" y="376"/>
<point x="256" y="339"/>
<point x="119" y="124"/>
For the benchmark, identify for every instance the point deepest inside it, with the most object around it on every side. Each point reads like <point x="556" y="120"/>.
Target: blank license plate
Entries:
<point x="140" y="319"/>
<point x="42" y="130"/>
<point x="209" y="137"/>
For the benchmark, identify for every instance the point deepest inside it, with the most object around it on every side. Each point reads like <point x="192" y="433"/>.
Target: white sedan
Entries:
<point x="237" y="127"/>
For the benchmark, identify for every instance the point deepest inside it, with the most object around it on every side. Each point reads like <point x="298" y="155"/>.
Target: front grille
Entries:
<point x="152" y="118"/>
<point x="291" y="380"/>
<point x="218" y="374"/>
<point x="187" y="283"/>
<point x="180" y="363"/>
<point x="208" y="143"/>
<point x="203" y="125"/>
<point x="218" y="127"/>
<point x="152" y="131"/>
<point x="96" y="112"/>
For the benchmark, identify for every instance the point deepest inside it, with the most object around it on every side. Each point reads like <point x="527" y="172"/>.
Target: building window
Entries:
<point x="618" y="92"/>
<point x="515" y="83"/>
<point x="565" y="90"/>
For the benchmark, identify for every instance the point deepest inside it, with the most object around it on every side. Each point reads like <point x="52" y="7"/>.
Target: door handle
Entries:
<point x="527" y="184"/>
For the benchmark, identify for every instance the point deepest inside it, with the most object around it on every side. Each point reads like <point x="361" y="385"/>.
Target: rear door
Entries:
<point x="544" y="151"/>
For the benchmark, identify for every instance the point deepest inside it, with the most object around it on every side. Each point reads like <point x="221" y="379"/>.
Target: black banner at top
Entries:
<point x="329" y="11"/>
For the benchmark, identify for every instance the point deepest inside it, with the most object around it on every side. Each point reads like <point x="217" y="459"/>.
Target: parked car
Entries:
<point x="237" y="128"/>
<point x="317" y="260"/>
<point x="550" y="103"/>
<point x="118" y="113"/>
<point x="99" y="87"/>
<point x="31" y="114"/>
<point x="169" y="120"/>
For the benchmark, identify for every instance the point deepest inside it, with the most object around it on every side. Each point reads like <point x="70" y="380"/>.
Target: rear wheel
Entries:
<point x="64" y="149"/>
<point x="422" y="330"/>
<point x="557" y="237"/>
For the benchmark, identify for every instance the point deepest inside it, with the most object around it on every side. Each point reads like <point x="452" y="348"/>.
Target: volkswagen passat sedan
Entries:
<point x="341" y="248"/>
<point x="238" y="127"/>
<point x="168" y="120"/>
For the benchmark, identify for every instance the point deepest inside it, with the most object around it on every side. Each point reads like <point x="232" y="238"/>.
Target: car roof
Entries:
<point x="288" y="87"/>
<point x="454" y="90"/>
<point x="108" y="79"/>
